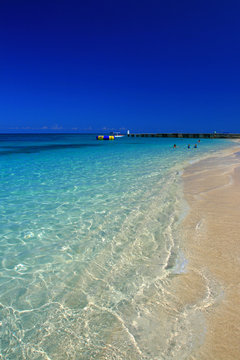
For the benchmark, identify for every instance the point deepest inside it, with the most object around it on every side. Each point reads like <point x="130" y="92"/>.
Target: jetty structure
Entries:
<point x="214" y="135"/>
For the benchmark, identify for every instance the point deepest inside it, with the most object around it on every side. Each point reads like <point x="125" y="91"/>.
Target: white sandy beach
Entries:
<point x="212" y="245"/>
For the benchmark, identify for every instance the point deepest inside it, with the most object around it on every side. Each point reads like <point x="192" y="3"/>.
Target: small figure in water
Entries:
<point x="195" y="146"/>
<point x="174" y="146"/>
<point x="199" y="140"/>
<point x="188" y="146"/>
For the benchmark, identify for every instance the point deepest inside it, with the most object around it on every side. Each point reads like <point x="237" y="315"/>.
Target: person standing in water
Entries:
<point x="188" y="146"/>
<point x="174" y="146"/>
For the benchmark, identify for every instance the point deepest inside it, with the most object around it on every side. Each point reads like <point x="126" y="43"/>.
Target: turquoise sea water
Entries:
<point x="89" y="244"/>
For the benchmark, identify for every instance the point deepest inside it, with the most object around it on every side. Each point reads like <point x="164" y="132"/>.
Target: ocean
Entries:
<point x="90" y="245"/>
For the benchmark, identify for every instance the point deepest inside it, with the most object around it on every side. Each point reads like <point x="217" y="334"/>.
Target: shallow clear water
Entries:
<point x="89" y="245"/>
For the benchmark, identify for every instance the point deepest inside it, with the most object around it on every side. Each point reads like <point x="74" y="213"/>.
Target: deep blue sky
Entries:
<point x="143" y="65"/>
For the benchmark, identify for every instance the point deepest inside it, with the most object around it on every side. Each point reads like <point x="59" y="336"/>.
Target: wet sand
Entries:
<point x="211" y="234"/>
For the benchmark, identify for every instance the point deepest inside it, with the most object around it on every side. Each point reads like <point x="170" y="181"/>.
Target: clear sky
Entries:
<point x="170" y="65"/>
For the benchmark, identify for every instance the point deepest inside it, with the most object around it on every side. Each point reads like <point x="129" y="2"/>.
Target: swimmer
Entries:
<point x="188" y="146"/>
<point x="195" y="146"/>
<point x="199" y="140"/>
<point x="174" y="146"/>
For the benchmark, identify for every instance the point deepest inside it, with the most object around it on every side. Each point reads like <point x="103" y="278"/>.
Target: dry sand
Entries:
<point x="212" y="246"/>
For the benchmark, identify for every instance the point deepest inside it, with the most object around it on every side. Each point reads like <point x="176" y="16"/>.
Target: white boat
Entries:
<point x="117" y="135"/>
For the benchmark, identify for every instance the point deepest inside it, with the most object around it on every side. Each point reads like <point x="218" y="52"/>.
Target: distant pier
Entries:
<point x="188" y="135"/>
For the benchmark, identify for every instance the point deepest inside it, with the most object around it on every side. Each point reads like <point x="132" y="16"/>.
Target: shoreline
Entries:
<point x="211" y="232"/>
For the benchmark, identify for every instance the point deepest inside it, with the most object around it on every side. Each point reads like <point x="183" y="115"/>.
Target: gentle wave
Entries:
<point x="89" y="248"/>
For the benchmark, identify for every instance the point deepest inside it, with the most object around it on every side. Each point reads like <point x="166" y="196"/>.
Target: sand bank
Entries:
<point x="212" y="245"/>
